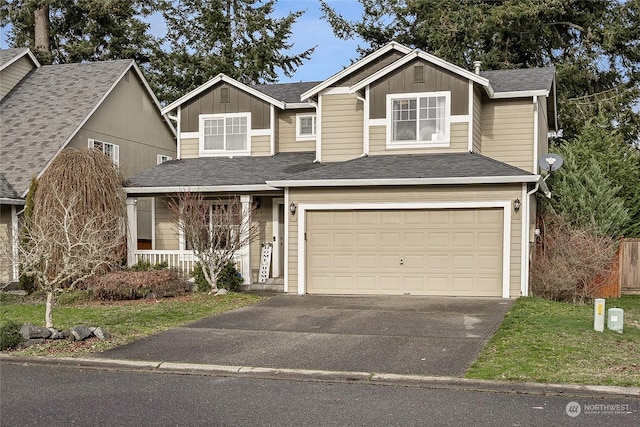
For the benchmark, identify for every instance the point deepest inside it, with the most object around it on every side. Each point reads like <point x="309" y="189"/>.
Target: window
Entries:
<point x="220" y="226"/>
<point x="418" y="119"/>
<point x="225" y="134"/>
<point x="110" y="150"/>
<point x="305" y="126"/>
<point x="162" y="158"/>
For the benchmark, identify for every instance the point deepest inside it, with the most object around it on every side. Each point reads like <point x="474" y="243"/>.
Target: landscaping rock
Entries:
<point x="56" y="334"/>
<point x="81" y="332"/>
<point x="29" y="331"/>
<point x="102" y="334"/>
<point x="221" y="292"/>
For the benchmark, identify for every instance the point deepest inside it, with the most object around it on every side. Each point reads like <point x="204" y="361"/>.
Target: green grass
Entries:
<point x="125" y="321"/>
<point x="545" y="341"/>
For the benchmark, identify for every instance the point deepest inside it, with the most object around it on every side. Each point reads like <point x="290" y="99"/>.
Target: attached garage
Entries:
<point x="444" y="251"/>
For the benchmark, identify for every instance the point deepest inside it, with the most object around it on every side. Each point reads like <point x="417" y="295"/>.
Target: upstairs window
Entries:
<point x="110" y="150"/>
<point x="418" y="120"/>
<point x="305" y="126"/>
<point x="225" y="134"/>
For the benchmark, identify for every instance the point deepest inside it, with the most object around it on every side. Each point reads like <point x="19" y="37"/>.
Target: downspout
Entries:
<point x="540" y="184"/>
<point x="317" y="105"/>
<point x="365" y="123"/>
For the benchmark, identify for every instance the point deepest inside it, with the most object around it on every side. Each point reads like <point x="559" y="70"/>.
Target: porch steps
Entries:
<point x="273" y="285"/>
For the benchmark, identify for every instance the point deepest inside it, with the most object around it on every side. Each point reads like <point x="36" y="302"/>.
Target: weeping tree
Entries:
<point x="214" y="229"/>
<point x="78" y="225"/>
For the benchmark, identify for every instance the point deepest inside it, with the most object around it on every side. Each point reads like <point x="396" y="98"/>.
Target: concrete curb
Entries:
<point x="318" y="375"/>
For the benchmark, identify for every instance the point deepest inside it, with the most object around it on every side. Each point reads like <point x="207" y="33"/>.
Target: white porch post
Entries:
<point x="15" y="241"/>
<point x="245" y="252"/>
<point x="132" y="225"/>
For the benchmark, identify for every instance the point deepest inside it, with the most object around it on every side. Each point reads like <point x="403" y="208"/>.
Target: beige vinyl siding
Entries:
<point x="5" y="235"/>
<point x="261" y="145"/>
<point x="286" y="140"/>
<point x="129" y="118"/>
<point x="543" y="128"/>
<point x="477" y="120"/>
<point x="189" y="148"/>
<point x="166" y="232"/>
<point x="507" y="131"/>
<point x="342" y="127"/>
<point x="443" y="193"/>
<point x="11" y="76"/>
<point x="378" y="142"/>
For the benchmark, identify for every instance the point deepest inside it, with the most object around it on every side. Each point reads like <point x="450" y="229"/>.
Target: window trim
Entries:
<point x="116" y="150"/>
<point x="445" y="142"/>
<point x="303" y="137"/>
<point x="161" y="158"/>
<point x="224" y="152"/>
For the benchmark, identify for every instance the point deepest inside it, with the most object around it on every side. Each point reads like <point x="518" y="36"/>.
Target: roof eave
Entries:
<point x="12" y="201"/>
<point x="516" y="179"/>
<point x="217" y="79"/>
<point x="520" y="94"/>
<point x="199" y="189"/>
<point x="298" y="105"/>
<point x="353" y="67"/>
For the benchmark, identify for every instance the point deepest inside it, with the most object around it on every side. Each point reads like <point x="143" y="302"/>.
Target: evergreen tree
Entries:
<point x="239" y="38"/>
<point x="593" y="45"/>
<point x="80" y="30"/>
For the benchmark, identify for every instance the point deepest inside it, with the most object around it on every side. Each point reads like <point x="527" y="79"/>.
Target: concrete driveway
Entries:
<point x="381" y="334"/>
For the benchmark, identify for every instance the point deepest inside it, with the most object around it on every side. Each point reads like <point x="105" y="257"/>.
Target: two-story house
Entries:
<point x="44" y="109"/>
<point x="400" y="174"/>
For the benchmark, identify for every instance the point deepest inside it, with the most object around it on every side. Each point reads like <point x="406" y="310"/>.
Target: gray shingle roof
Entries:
<point x="6" y="191"/>
<point x="45" y="109"/>
<point x="7" y="55"/>
<point x="224" y="171"/>
<point x="524" y="79"/>
<point x="411" y="166"/>
<point x="286" y="92"/>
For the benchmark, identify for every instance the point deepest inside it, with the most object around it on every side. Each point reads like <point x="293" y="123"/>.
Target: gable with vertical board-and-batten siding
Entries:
<point x="507" y="131"/>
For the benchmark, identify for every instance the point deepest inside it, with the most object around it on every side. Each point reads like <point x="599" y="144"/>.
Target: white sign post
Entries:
<point x="265" y="262"/>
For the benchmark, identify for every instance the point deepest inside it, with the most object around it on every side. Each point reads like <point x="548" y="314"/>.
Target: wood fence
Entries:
<point x="624" y="278"/>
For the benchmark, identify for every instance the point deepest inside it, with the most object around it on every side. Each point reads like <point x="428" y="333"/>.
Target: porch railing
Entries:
<point x="183" y="261"/>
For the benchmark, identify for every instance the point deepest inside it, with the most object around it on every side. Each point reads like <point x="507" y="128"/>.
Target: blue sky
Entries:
<point x="331" y="54"/>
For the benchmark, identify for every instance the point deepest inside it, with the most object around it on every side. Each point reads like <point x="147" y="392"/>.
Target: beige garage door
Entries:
<point x="418" y="252"/>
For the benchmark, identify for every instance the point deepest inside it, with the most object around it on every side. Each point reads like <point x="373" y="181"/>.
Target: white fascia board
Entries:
<point x="520" y="94"/>
<point x="298" y="105"/>
<point x="200" y="189"/>
<point x="425" y="56"/>
<point x="355" y="66"/>
<point x="405" y="181"/>
<point x="26" y="52"/>
<point x="7" y="201"/>
<point x="217" y="79"/>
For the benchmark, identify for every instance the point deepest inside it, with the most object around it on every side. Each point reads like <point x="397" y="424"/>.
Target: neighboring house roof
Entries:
<point x="220" y="173"/>
<point x="7" y="193"/>
<point x="409" y="169"/>
<point x="286" y="92"/>
<point x="47" y="108"/>
<point x="9" y="56"/>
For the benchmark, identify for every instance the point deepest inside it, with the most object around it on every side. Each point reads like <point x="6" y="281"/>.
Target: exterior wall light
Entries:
<point x="292" y="208"/>
<point x="516" y="205"/>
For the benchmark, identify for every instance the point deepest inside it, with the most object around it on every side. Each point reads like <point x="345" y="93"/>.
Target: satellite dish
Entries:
<point x="550" y="162"/>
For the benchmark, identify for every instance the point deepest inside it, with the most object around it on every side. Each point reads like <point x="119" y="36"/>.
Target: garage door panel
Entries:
<point x="419" y="252"/>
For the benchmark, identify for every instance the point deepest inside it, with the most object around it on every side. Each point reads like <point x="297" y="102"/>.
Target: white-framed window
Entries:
<point x="162" y="158"/>
<point x="305" y="126"/>
<point x="110" y="150"/>
<point x="418" y="119"/>
<point x="225" y="134"/>
<point x="220" y="226"/>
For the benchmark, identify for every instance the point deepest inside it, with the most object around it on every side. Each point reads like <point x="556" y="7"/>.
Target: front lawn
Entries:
<point x="545" y="341"/>
<point x="124" y="320"/>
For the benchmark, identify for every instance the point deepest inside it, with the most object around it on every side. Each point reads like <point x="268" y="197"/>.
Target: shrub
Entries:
<point x="144" y="265"/>
<point x="127" y="285"/>
<point x="229" y="278"/>
<point x="568" y="261"/>
<point x="10" y="336"/>
<point x="28" y="284"/>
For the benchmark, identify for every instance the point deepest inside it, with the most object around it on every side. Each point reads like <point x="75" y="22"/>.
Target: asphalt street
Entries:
<point x="63" y="396"/>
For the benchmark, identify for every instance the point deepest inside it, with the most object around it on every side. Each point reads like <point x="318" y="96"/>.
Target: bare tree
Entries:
<point x="64" y="248"/>
<point x="214" y="229"/>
